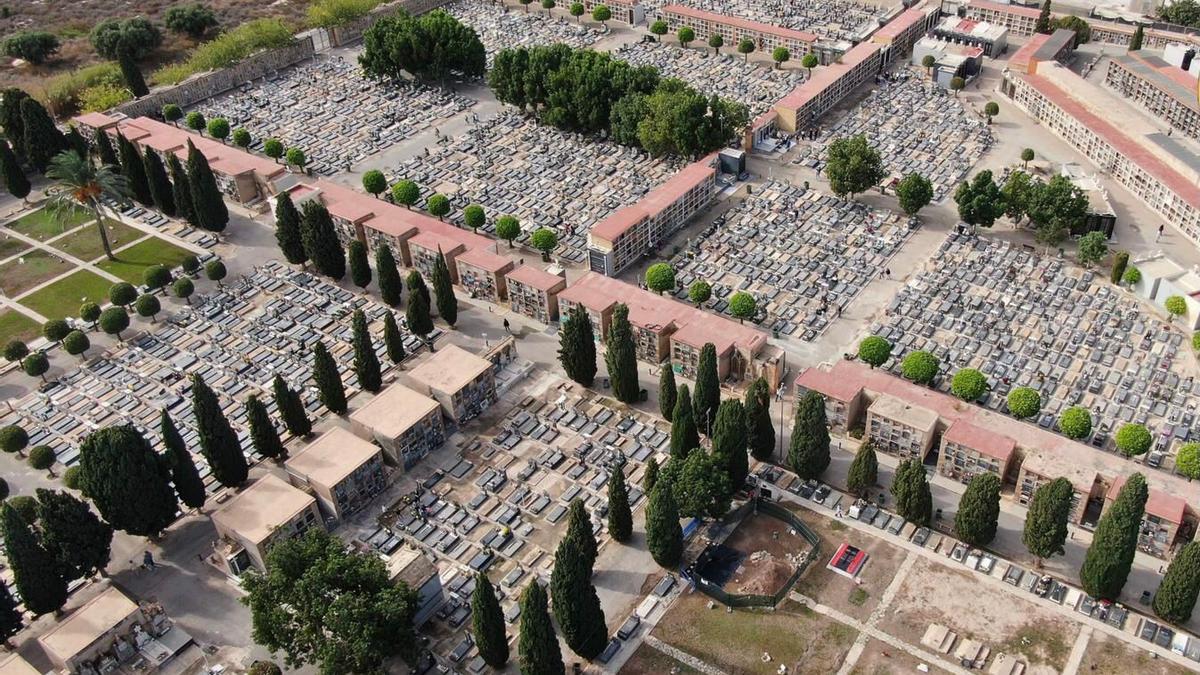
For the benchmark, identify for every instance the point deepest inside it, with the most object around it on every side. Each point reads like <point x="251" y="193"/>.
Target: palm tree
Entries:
<point x="80" y="184"/>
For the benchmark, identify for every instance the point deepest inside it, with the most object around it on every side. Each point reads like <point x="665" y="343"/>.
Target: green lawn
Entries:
<point x="41" y="225"/>
<point x="16" y="326"/>
<point x="63" y="297"/>
<point x="85" y="243"/>
<point x="132" y="262"/>
<point x="10" y="246"/>
<point x="18" y="276"/>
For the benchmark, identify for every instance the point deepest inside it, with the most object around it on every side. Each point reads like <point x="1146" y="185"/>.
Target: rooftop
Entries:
<point x="331" y="457"/>
<point x="983" y="440"/>
<point x="535" y="278"/>
<point x="738" y="22"/>
<point x="258" y="510"/>
<point x="450" y="369"/>
<point x="394" y="411"/>
<point x="88" y="624"/>
<point x="899" y="410"/>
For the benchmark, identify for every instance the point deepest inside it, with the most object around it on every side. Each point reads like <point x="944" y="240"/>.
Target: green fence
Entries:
<point x="757" y="600"/>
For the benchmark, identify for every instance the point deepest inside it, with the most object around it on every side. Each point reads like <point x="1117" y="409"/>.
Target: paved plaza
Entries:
<point x="916" y="127"/>
<point x="545" y="177"/>
<point x="1025" y="319"/>
<point x="237" y="337"/>
<point x="728" y="76"/>
<point x="801" y="254"/>
<point x="832" y="19"/>
<point x="328" y="109"/>
<point x="502" y="27"/>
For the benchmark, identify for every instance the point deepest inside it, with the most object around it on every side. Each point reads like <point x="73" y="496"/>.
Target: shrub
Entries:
<point x="1075" y="422"/>
<point x="969" y="384"/>
<point x="228" y="49"/>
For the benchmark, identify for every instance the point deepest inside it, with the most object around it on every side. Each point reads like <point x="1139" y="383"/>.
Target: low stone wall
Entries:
<point x="353" y="31"/>
<point x="207" y="85"/>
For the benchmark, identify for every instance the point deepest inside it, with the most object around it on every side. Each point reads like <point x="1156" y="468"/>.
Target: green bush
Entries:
<point x="228" y="49"/>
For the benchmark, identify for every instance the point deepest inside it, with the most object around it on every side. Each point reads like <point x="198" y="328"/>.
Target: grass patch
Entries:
<point x="131" y="263"/>
<point x="85" y="243"/>
<point x="16" y="326"/>
<point x="31" y="269"/>
<point x="858" y="596"/>
<point x="10" y="246"/>
<point x="41" y="225"/>
<point x="62" y="298"/>
<point x="1040" y="642"/>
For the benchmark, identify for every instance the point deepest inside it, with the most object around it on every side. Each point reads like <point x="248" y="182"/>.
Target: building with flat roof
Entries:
<point x="106" y="632"/>
<point x="950" y="60"/>
<point x="418" y="572"/>
<point x="1166" y="91"/>
<point x="1021" y="19"/>
<point x="631" y="232"/>
<point x="463" y="383"/>
<point x="991" y="38"/>
<point x="267" y="511"/>
<point x="733" y="29"/>
<point x="407" y="423"/>
<point x="975" y="439"/>
<point x="1163" y="171"/>
<point x="534" y="293"/>
<point x="899" y="428"/>
<point x="343" y="471"/>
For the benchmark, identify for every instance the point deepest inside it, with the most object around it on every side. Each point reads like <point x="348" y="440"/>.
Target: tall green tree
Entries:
<point x="579" y="528"/>
<point x="684" y="437"/>
<point x="620" y="357"/>
<point x="1176" y="596"/>
<point x="729" y="442"/>
<point x="707" y="396"/>
<point x="853" y="166"/>
<point x="393" y="339"/>
<point x="134" y="170"/>
<point x="328" y="380"/>
<point x="188" y="484"/>
<point x="667" y="393"/>
<point x="1110" y="557"/>
<point x="291" y="408"/>
<point x="417" y="314"/>
<point x="979" y="510"/>
<point x="910" y="488"/>
<point x="760" y="430"/>
<point x="127" y="481"/>
<point x="391" y="286"/>
<point x="366" y="363"/>
<point x="218" y="442"/>
<point x="78" y="541"/>
<point x="808" y="452"/>
<point x="41" y="138"/>
<point x="487" y="623"/>
<point x="288" y="230"/>
<point x="160" y="185"/>
<point x="181" y="190"/>
<point x="320" y="240"/>
<point x="263" y="435"/>
<point x="360" y="268"/>
<point x="537" y="646"/>
<point x="36" y="574"/>
<point x="664" y="536"/>
<point x="443" y="290"/>
<point x="577" y="346"/>
<point x="864" y="470"/>
<point x="620" y="516"/>
<point x="208" y="204"/>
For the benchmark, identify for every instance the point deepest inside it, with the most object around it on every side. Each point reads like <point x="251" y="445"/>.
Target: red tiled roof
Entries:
<point x="983" y="440"/>
<point x="738" y="22"/>
<point x="1165" y="506"/>
<point x="657" y="200"/>
<point x="535" y="278"/>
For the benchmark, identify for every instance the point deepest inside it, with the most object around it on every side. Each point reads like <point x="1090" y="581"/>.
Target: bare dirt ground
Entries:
<point x="771" y="550"/>
<point x="835" y="590"/>
<point x="878" y="658"/>
<point x="1107" y="656"/>
<point x="932" y="593"/>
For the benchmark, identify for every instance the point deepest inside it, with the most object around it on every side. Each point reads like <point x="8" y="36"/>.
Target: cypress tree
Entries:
<point x="684" y="437"/>
<point x="218" y="443"/>
<point x="579" y="528"/>
<point x="391" y="287"/>
<point x="978" y="510"/>
<point x="487" y="623"/>
<point x="10" y="619"/>
<point x="181" y="190"/>
<point x="729" y="442"/>
<point x="808" y="453"/>
<point x="320" y="240"/>
<point x="291" y="408"/>
<point x="188" y="484"/>
<point x="667" y="392"/>
<point x="443" y="291"/>
<point x="760" y="431"/>
<point x="417" y="313"/>
<point x="287" y="230"/>
<point x="15" y="180"/>
<point x="160" y="186"/>
<point x="366" y="363"/>
<point x="537" y="646"/>
<point x="35" y="572"/>
<point x="1046" y="522"/>
<point x="360" y="268"/>
<point x="77" y="540"/>
<point x="576" y="605"/>
<point x="664" y="536"/>
<point x="650" y="475"/>
<point x="104" y="149"/>
<point x="262" y="430"/>
<point x="41" y="139"/>
<point x="328" y="380"/>
<point x="127" y="481"/>
<point x="620" y="516"/>
<point x="393" y="339"/>
<point x="910" y="488"/>
<point x="864" y="470"/>
<point x="620" y="357"/>
<point x="1110" y="557"/>
<point x="577" y="346"/>
<point x="208" y="204"/>
<point x="1176" y="596"/>
<point x="134" y="170"/>
<point x="707" y="395"/>
<point x="131" y="74"/>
